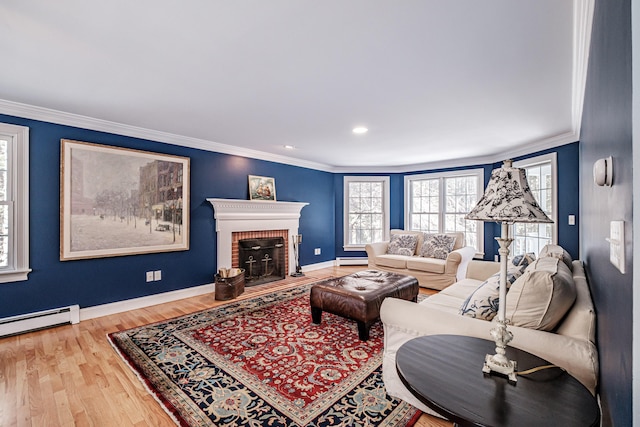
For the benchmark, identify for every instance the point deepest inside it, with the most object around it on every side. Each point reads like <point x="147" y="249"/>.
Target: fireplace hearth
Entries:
<point x="263" y="260"/>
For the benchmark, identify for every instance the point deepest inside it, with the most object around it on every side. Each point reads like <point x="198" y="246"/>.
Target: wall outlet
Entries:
<point x="157" y="275"/>
<point x="149" y="276"/>
<point x="317" y="251"/>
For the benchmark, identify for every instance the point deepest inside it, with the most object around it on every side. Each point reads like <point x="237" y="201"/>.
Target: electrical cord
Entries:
<point x="538" y="368"/>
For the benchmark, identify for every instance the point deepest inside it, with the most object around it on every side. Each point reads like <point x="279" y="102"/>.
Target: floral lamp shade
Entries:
<point x="508" y="198"/>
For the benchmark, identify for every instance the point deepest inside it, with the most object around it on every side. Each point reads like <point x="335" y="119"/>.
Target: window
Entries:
<point x="541" y="175"/>
<point x="366" y="211"/>
<point x="438" y="203"/>
<point x="14" y="203"/>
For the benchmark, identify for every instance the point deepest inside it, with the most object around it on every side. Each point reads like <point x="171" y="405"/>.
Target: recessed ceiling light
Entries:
<point x="289" y="147"/>
<point x="360" y="130"/>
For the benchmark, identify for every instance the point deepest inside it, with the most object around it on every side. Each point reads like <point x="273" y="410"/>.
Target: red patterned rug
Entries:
<point x="262" y="362"/>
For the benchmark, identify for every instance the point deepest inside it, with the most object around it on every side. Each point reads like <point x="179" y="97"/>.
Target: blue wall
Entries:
<point x="90" y="282"/>
<point x="607" y="130"/>
<point x="568" y="201"/>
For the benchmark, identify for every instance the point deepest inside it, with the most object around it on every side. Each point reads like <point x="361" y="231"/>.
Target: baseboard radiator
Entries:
<point x="39" y="320"/>
<point x="351" y="261"/>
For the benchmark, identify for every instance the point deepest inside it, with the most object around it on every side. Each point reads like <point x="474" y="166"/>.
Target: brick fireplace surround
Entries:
<point x="240" y="219"/>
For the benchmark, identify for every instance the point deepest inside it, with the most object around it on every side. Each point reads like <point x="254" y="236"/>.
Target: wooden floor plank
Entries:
<point x="70" y="375"/>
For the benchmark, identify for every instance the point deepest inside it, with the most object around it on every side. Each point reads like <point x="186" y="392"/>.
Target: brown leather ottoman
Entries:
<point x="359" y="296"/>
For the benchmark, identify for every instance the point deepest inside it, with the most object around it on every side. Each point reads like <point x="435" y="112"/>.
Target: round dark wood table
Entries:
<point x="445" y="373"/>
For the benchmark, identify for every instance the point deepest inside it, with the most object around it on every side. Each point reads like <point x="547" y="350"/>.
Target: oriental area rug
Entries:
<point x="262" y="362"/>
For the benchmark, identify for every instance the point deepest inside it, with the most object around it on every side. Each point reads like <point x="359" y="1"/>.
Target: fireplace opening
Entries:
<point x="263" y="260"/>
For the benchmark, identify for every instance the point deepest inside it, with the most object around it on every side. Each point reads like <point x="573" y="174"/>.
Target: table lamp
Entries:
<point x="506" y="200"/>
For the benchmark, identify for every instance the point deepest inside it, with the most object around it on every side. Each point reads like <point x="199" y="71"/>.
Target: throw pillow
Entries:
<point x="437" y="246"/>
<point x="523" y="260"/>
<point x="518" y="267"/>
<point x="483" y="302"/>
<point x="402" y="244"/>
<point x="541" y="297"/>
<point x="559" y="252"/>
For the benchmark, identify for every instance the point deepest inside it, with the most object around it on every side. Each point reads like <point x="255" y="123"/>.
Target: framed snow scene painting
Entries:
<point x="117" y="201"/>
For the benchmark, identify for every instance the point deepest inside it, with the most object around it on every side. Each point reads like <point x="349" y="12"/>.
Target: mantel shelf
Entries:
<point x="253" y="209"/>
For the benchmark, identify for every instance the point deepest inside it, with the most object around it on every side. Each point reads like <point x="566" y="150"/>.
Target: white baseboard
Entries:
<point x="147" y="301"/>
<point x="352" y="261"/>
<point x="142" y="302"/>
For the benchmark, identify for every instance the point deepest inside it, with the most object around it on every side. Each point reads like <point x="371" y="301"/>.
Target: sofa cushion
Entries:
<point x="402" y="244"/>
<point x="393" y="261"/>
<point x="431" y="265"/>
<point x="541" y="297"/>
<point x="450" y="298"/>
<point x="437" y="245"/>
<point x="559" y="252"/>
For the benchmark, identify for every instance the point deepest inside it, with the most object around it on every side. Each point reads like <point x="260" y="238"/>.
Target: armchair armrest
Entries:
<point x="377" y="248"/>
<point x="466" y="255"/>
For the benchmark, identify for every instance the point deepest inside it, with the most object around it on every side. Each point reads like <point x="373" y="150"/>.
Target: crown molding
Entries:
<point x="33" y="112"/>
<point x="58" y="117"/>
<point x="520" y="150"/>
<point x="582" y="24"/>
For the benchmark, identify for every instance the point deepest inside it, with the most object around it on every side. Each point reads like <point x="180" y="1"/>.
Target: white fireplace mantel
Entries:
<point x="234" y="215"/>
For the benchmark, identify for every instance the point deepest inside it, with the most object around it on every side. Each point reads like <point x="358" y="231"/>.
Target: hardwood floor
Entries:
<point x="71" y="376"/>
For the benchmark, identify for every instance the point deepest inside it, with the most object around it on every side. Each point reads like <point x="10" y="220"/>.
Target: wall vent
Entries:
<point x="39" y="320"/>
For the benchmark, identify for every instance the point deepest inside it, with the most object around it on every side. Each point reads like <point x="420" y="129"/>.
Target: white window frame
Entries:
<point x="18" y="186"/>
<point x="534" y="161"/>
<point x="479" y="173"/>
<point x="385" y="180"/>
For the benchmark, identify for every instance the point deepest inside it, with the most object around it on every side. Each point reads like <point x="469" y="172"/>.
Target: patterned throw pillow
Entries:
<point x="483" y="302"/>
<point x="402" y="244"/>
<point x="437" y="246"/>
<point x="523" y="260"/>
<point x="520" y="264"/>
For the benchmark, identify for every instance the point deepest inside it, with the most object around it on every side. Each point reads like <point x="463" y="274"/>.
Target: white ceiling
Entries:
<point x="435" y="81"/>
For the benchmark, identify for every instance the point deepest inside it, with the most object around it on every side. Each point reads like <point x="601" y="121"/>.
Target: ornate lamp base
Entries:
<point x="498" y="362"/>
<point x="507" y="368"/>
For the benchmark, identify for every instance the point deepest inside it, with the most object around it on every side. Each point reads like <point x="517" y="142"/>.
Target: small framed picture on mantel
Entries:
<point x="262" y="188"/>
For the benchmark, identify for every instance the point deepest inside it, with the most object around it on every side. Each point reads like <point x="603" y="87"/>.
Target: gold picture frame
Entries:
<point x="117" y="201"/>
<point x="262" y="188"/>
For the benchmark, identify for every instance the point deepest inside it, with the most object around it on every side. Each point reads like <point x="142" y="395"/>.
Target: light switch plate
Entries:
<point x="616" y="245"/>
<point x="157" y="275"/>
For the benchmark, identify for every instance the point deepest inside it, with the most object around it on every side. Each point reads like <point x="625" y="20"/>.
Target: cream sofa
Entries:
<point x="570" y="344"/>
<point x="431" y="272"/>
